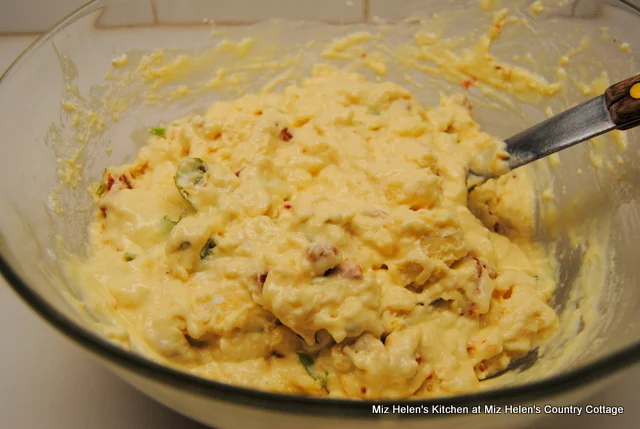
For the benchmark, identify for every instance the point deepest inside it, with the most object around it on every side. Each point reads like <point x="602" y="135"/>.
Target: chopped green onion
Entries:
<point x="190" y="173"/>
<point x="207" y="248"/>
<point x="103" y="184"/>
<point x="158" y="131"/>
<point x="308" y="363"/>
<point x="166" y="225"/>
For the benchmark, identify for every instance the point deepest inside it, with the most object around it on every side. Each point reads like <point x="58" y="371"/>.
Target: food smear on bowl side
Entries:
<point x="322" y="241"/>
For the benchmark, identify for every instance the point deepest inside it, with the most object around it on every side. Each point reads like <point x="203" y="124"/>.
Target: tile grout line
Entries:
<point x="96" y="22"/>
<point x="154" y="12"/>
<point x="21" y="34"/>
<point x="195" y="24"/>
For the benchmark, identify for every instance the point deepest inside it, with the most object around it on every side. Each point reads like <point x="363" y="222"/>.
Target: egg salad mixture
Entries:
<point x="322" y="241"/>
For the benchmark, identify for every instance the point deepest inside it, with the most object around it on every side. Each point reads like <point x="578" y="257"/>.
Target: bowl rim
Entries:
<point x="287" y="403"/>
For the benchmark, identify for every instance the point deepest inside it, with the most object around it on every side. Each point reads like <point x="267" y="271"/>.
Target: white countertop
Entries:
<point x="47" y="382"/>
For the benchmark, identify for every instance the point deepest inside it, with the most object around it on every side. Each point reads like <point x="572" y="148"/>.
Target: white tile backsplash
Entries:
<point x="33" y="16"/>
<point x="29" y="16"/>
<point x="398" y="10"/>
<point x="242" y="11"/>
<point x="125" y="13"/>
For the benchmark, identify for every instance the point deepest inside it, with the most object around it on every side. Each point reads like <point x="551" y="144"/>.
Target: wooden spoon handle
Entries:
<point x="623" y="102"/>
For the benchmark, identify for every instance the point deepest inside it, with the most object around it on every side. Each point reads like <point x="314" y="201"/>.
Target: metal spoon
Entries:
<point x="618" y="108"/>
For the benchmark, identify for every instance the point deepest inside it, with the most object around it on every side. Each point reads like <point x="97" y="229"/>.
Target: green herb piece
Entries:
<point x="128" y="257"/>
<point x="166" y="225"/>
<point x="158" y="131"/>
<point x="323" y="379"/>
<point x="207" y="248"/>
<point x="190" y="173"/>
<point x="103" y="184"/>
<point x="308" y="363"/>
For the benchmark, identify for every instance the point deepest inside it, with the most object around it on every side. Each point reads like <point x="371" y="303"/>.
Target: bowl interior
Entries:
<point x="67" y="113"/>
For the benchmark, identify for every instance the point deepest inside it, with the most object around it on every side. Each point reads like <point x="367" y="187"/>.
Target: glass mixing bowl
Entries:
<point x="69" y="63"/>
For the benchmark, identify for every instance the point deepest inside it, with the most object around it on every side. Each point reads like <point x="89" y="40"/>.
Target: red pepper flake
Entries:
<point x="478" y="266"/>
<point x="319" y="251"/>
<point x="262" y="278"/>
<point x="237" y="173"/>
<point x="110" y="181"/>
<point x="125" y="181"/>
<point x="349" y="269"/>
<point x="287" y="206"/>
<point x="468" y="82"/>
<point x="139" y="170"/>
<point x="498" y="67"/>
<point x="471" y="310"/>
<point x="103" y="210"/>
<point x="363" y="55"/>
<point x="285" y="135"/>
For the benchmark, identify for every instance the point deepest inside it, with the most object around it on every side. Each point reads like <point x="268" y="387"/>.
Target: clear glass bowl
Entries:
<point x="73" y="58"/>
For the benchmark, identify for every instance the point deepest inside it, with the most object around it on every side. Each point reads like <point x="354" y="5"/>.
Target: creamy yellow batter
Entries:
<point x="322" y="241"/>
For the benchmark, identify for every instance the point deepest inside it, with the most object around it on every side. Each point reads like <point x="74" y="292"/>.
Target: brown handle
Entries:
<point x="623" y="102"/>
